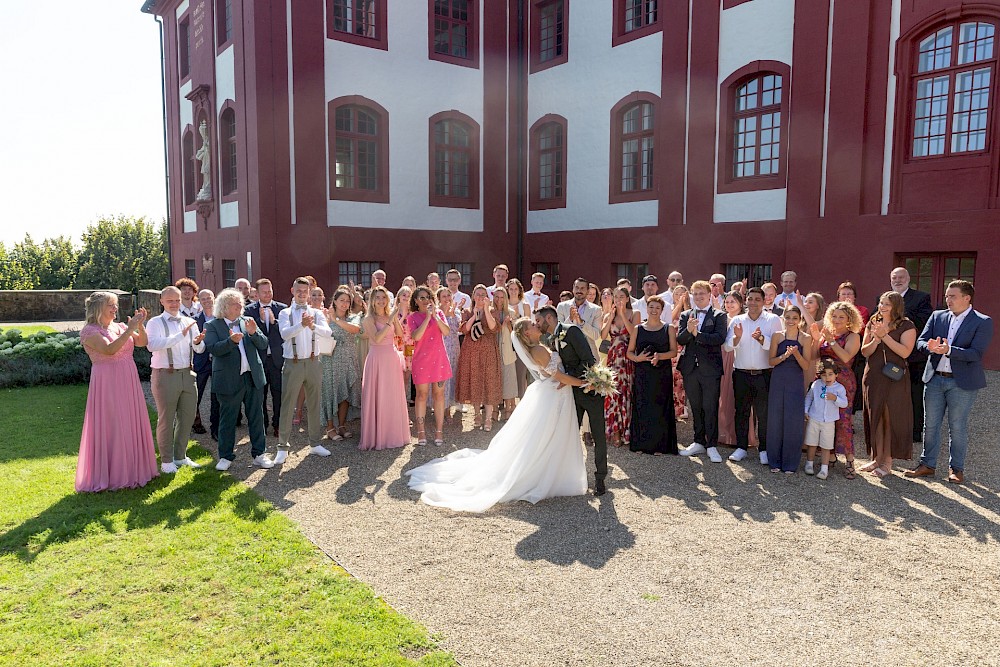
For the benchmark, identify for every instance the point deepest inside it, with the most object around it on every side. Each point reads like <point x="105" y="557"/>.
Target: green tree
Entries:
<point x="60" y="262"/>
<point x="124" y="253"/>
<point x="19" y="265"/>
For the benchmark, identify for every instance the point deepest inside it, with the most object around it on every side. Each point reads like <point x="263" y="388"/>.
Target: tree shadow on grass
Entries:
<point x="168" y="502"/>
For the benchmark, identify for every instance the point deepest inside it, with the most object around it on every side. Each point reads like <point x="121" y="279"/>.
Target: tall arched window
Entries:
<point x="548" y="163"/>
<point x="359" y="158"/>
<point x="951" y="89"/>
<point x="227" y="151"/>
<point x="189" y="167"/>
<point x="454" y="160"/>
<point x="633" y="138"/>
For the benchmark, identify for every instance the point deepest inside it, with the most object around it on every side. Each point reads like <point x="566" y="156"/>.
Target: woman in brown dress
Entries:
<point x="889" y="338"/>
<point x="479" y="380"/>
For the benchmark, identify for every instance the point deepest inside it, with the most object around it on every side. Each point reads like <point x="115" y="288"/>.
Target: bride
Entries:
<point x="537" y="454"/>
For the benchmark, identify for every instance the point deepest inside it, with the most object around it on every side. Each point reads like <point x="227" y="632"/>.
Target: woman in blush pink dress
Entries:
<point x="116" y="446"/>
<point x="384" y="420"/>
<point x="682" y="302"/>
<point x="431" y="367"/>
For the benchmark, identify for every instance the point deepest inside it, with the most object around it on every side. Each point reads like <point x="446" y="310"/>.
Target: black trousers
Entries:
<point x="249" y="397"/>
<point x="750" y="391"/>
<point x="213" y="414"/>
<point x="703" y="391"/>
<point x="593" y="406"/>
<point x="272" y="372"/>
<point x="916" y="373"/>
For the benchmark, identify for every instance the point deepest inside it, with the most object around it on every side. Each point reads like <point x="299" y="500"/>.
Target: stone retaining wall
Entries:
<point x="53" y="305"/>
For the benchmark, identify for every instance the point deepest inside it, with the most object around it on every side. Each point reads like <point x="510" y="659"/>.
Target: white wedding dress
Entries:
<point x="537" y="454"/>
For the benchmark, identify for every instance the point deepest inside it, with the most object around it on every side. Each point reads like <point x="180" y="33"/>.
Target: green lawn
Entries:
<point x="28" y="329"/>
<point x="193" y="569"/>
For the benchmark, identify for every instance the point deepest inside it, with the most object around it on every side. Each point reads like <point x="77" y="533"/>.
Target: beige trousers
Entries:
<point x="176" y="396"/>
<point x="306" y="373"/>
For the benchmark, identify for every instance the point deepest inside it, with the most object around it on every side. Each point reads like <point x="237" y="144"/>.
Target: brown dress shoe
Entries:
<point x="920" y="471"/>
<point x="956" y="476"/>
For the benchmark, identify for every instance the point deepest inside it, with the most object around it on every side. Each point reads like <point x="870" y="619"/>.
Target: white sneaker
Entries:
<point x="263" y="462"/>
<point x="738" y="455"/>
<point x="823" y="473"/>
<point x="810" y="470"/>
<point x="186" y="461"/>
<point x="168" y="468"/>
<point x="465" y="409"/>
<point x="714" y="455"/>
<point x="693" y="449"/>
<point x="763" y="458"/>
<point x="319" y="450"/>
<point x="280" y="457"/>
<point x="223" y="464"/>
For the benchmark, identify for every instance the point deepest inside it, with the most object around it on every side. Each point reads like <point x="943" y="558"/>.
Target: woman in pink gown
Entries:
<point x="384" y="421"/>
<point x="116" y="446"/>
<point x="431" y="366"/>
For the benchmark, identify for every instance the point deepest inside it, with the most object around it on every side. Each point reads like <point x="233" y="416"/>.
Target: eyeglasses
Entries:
<point x="423" y="297"/>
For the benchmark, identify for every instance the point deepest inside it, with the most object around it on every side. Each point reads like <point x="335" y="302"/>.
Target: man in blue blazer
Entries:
<point x="267" y="322"/>
<point x="956" y="340"/>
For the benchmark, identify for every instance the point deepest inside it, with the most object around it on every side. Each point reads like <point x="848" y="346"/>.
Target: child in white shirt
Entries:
<point x="823" y="402"/>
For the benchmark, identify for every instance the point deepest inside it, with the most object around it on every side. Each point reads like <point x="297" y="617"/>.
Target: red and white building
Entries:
<point x="596" y="138"/>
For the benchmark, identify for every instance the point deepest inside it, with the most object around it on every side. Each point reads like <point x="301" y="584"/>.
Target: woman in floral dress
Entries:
<point x="341" y="372"/>
<point x="682" y="302"/>
<point x="619" y="327"/>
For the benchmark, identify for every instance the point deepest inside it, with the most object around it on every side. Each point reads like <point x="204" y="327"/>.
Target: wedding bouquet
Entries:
<point x="601" y="380"/>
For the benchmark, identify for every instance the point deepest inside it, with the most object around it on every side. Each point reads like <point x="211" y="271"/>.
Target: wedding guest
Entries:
<point x="300" y="324"/>
<point x="378" y="278"/>
<point x="789" y="359"/>
<point x="508" y="358"/>
<point x="265" y="314"/>
<point x="682" y="302"/>
<point x="317" y="300"/>
<point x="341" y="384"/>
<point x="718" y="284"/>
<point x="847" y="292"/>
<point x="116" y="443"/>
<point x="789" y="291"/>
<point x="384" y="418"/>
<point x="433" y="281"/>
<point x="956" y="339"/>
<point x="536" y="298"/>
<point x="653" y="428"/>
<point x="592" y="293"/>
<point x="770" y="295"/>
<point x="918" y="311"/>
<point x="500" y="275"/>
<point x="404" y="342"/>
<point x="203" y="369"/>
<point x="479" y="382"/>
<point x="190" y="307"/>
<point x="813" y="310"/>
<point x="409" y="282"/>
<point x="619" y="328"/>
<point x="822" y="416"/>
<point x="358" y="302"/>
<point x="252" y="298"/>
<point x="173" y="381"/>
<point x="515" y="296"/>
<point x="627" y="284"/>
<point x="461" y="300"/>
<point x="238" y="377"/>
<point x="242" y="285"/>
<point x="431" y="367"/>
<point x="749" y="337"/>
<point x="565" y="295"/>
<point x="889" y="338"/>
<point x="674" y="278"/>
<point x="650" y="287"/>
<point x="837" y="339"/>
<point x="739" y="286"/>
<point x="446" y="306"/>
<point x="583" y="313"/>
<point x="702" y="331"/>
<point x="732" y="303"/>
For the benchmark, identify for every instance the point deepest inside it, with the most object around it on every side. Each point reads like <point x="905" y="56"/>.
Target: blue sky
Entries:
<point x="81" y="115"/>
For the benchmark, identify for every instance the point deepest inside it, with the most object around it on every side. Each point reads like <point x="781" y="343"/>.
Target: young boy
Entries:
<point x="823" y="402"/>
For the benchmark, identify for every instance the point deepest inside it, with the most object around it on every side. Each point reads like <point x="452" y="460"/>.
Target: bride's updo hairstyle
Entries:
<point x="520" y="327"/>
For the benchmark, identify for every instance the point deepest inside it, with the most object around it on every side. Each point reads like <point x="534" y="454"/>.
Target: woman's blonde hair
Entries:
<point x="95" y="303"/>
<point x="378" y="289"/>
<point x="520" y="326"/>
<point x="854" y="322"/>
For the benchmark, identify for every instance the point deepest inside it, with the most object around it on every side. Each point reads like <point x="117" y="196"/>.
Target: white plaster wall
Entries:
<point x="751" y="206"/>
<point x="229" y="214"/>
<point x="412" y="88"/>
<point x="186" y="108"/>
<point x="190" y="221"/>
<point x="583" y="90"/>
<point x="225" y="78"/>
<point x="758" y="30"/>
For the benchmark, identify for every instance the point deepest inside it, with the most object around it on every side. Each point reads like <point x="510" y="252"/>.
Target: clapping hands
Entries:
<point x="938" y="346"/>
<point x="136" y="320"/>
<point x="252" y="325"/>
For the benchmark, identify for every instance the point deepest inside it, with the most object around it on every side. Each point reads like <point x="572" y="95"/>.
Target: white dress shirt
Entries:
<point x="536" y="301"/>
<point x="751" y="355"/>
<point x="944" y="366"/>
<point x="300" y="342"/>
<point x="237" y="326"/>
<point x="170" y="347"/>
<point x="819" y="408"/>
<point x="461" y="300"/>
<point x="783" y="298"/>
<point x="191" y="311"/>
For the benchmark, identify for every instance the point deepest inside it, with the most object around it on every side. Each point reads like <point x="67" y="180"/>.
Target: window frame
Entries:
<point x="379" y="41"/>
<point x="729" y="4"/>
<point x="550" y="269"/>
<point x="465" y="268"/>
<point x="535" y="62"/>
<point x="633" y="271"/>
<point x="190" y="269"/>
<point x="938" y="274"/>
<point x="231" y="147"/>
<point x="765" y="272"/>
<point x="728" y="181"/>
<point x="616" y="195"/>
<point x="380" y="195"/>
<point x="472" y="60"/>
<point x="184" y="48"/>
<point x="363" y="274"/>
<point x="619" y="36"/>
<point x="448" y="201"/>
<point x="189" y="169"/>
<point x="223" y="41"/>
<point x="229" y="266"/>
<point x="535" y="201"/>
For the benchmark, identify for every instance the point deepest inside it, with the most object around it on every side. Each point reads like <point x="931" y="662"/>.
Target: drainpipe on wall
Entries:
<point x="166" y="164"/>
<point x="521" y="143"/>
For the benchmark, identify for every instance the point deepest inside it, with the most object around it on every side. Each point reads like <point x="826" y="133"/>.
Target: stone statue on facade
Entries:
<point x="204" y="155"/>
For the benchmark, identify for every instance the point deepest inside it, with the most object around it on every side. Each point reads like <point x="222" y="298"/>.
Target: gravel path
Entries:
<point x="683" y="562"/>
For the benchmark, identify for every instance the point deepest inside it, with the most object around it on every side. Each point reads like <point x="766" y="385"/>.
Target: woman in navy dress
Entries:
<point x="654" y="426"/>
<point x="786" y="397"/>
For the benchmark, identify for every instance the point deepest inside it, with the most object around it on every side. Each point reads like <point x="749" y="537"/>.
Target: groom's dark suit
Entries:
<point x="576" y="356"/>
<point x="701" y="368"/>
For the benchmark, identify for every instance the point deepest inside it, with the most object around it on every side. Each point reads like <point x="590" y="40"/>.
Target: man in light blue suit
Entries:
<point x="956" y="340"/>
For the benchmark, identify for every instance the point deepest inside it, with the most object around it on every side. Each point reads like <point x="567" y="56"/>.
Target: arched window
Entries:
<point x="359" y="158"/>
<point x="753" y="132"/>
<point x="951" y="89"/>
<point x="189" y="167"/>
<point x="548" y="163"/>
<point x="227" y="151"/>
<point x="454" y="160"/>
<point x="633" y="125"/>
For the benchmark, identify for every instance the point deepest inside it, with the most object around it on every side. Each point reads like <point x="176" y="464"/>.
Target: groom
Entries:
<point x="574" y="350"/>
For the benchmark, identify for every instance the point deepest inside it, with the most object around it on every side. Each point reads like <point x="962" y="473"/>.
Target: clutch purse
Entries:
<point x="325" y="346"/>
<point x="894" y="372"/>
<point x="605" y="346"/>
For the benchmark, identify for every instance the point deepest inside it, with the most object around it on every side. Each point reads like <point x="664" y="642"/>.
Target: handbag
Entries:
<point x="893" y="371"/>
<point x="605" y="346"/>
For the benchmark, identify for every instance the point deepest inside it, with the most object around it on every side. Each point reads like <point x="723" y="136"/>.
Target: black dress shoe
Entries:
<point x="599" y="488"/>
<point x="198" y="428"/>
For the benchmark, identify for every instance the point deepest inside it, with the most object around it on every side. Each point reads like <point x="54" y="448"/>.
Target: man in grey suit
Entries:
<point x="582" y="313"/>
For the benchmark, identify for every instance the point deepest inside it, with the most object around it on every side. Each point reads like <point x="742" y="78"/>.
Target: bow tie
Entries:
<point x="700" y="312"/>
<point x="299" y="307"/>
<point x="174" y="318"/>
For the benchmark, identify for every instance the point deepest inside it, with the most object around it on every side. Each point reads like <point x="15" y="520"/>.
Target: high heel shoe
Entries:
<point x="439" y="438"/>
<point x="488" y="424"/>
<point x="421" y="435"/>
